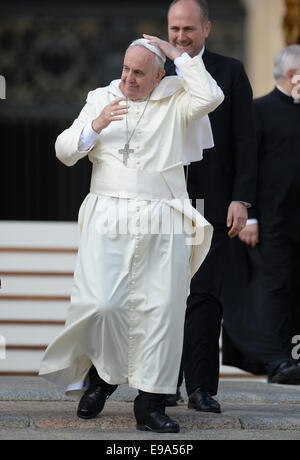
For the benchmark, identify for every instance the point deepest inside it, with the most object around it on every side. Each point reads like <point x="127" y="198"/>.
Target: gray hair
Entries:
<point x="288" y="58"/>
<point x="158" y="61"/>
<point x="203" y="7"/>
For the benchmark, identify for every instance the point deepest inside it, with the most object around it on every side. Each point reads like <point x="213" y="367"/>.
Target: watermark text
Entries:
<point x="296" y="89"/>
<point x="2" y="87"/>
<point x="296" y="348"/>
<point x="2" y="347"/>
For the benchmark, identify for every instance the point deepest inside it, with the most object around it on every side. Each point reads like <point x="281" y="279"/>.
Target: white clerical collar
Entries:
<point x="296" y="101"/>
<point x="282" y="90"/>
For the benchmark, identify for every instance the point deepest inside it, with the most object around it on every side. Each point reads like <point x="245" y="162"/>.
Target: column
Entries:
<point x="264" y="37"/>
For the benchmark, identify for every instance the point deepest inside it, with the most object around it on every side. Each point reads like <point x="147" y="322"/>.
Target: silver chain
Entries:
<point x="127" y="133"/>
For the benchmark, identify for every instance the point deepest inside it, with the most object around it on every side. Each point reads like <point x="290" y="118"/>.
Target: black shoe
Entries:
<point x="286" y="373"/>
<point x="93" y="400"/>
<point x="158" y="422"/>
<point x="171" y="400"/>
<point x="202" y="401"/>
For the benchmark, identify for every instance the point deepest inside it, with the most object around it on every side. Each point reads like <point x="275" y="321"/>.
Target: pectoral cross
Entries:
<point x="125" y="152"/>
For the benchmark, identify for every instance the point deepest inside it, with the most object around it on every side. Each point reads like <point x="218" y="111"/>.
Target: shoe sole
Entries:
<point x="284" y="377"/>
<point x="215" y="411"/>
<point x="148" y="428"/>
<point x="87" y="417"/>
<point x="91" y="415"/>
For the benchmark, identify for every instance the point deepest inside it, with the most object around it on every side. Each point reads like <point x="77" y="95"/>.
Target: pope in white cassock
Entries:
<point x="132" y="276"/>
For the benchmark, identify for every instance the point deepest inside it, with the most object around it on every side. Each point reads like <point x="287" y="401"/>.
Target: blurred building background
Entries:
<point x="51" y="54"/>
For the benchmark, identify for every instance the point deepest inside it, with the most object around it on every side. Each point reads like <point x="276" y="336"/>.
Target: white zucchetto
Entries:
<point x="155" y="49"/>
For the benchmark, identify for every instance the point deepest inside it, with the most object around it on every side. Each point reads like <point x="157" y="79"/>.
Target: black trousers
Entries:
<point x="200" y="359"/>
<point x="145" y="403"/>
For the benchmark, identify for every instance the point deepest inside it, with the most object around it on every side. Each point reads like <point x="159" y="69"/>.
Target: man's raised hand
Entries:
<point x="112" y="112"/>
<point x="169" y="50"/>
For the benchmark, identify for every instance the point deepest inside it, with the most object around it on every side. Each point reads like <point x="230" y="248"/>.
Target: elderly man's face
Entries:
<point x="139" y="75"/>
<point x="187" y="29"/>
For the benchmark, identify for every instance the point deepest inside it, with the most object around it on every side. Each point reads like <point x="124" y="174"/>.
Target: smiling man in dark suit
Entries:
<point x="226" y="180"/>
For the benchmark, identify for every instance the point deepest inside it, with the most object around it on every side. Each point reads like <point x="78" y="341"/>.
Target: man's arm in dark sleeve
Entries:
<point x="243" y="135"/>
<point x="259" y="129"/>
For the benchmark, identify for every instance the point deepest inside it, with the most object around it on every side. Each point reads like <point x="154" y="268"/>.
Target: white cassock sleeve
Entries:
<point x="199" y="134"/>
<point x="199" y="137"/>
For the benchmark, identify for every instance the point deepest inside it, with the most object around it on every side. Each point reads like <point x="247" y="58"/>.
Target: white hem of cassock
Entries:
<point x="76" y="389"/>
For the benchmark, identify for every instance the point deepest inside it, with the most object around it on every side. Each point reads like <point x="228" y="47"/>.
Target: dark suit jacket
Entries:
<point x="228" y="171"/>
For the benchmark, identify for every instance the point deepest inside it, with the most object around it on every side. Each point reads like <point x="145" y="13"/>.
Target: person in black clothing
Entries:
<point x="261" y="324"/>
<point x="226" y="180"/>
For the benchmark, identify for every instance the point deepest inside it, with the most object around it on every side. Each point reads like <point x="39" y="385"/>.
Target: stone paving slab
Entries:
<point x="234" y="390"/>
<point x="111" y="438"/>
<point x="118" y="416"/>
<point x="250" y="410"/>
<point x="13" y="421"/>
